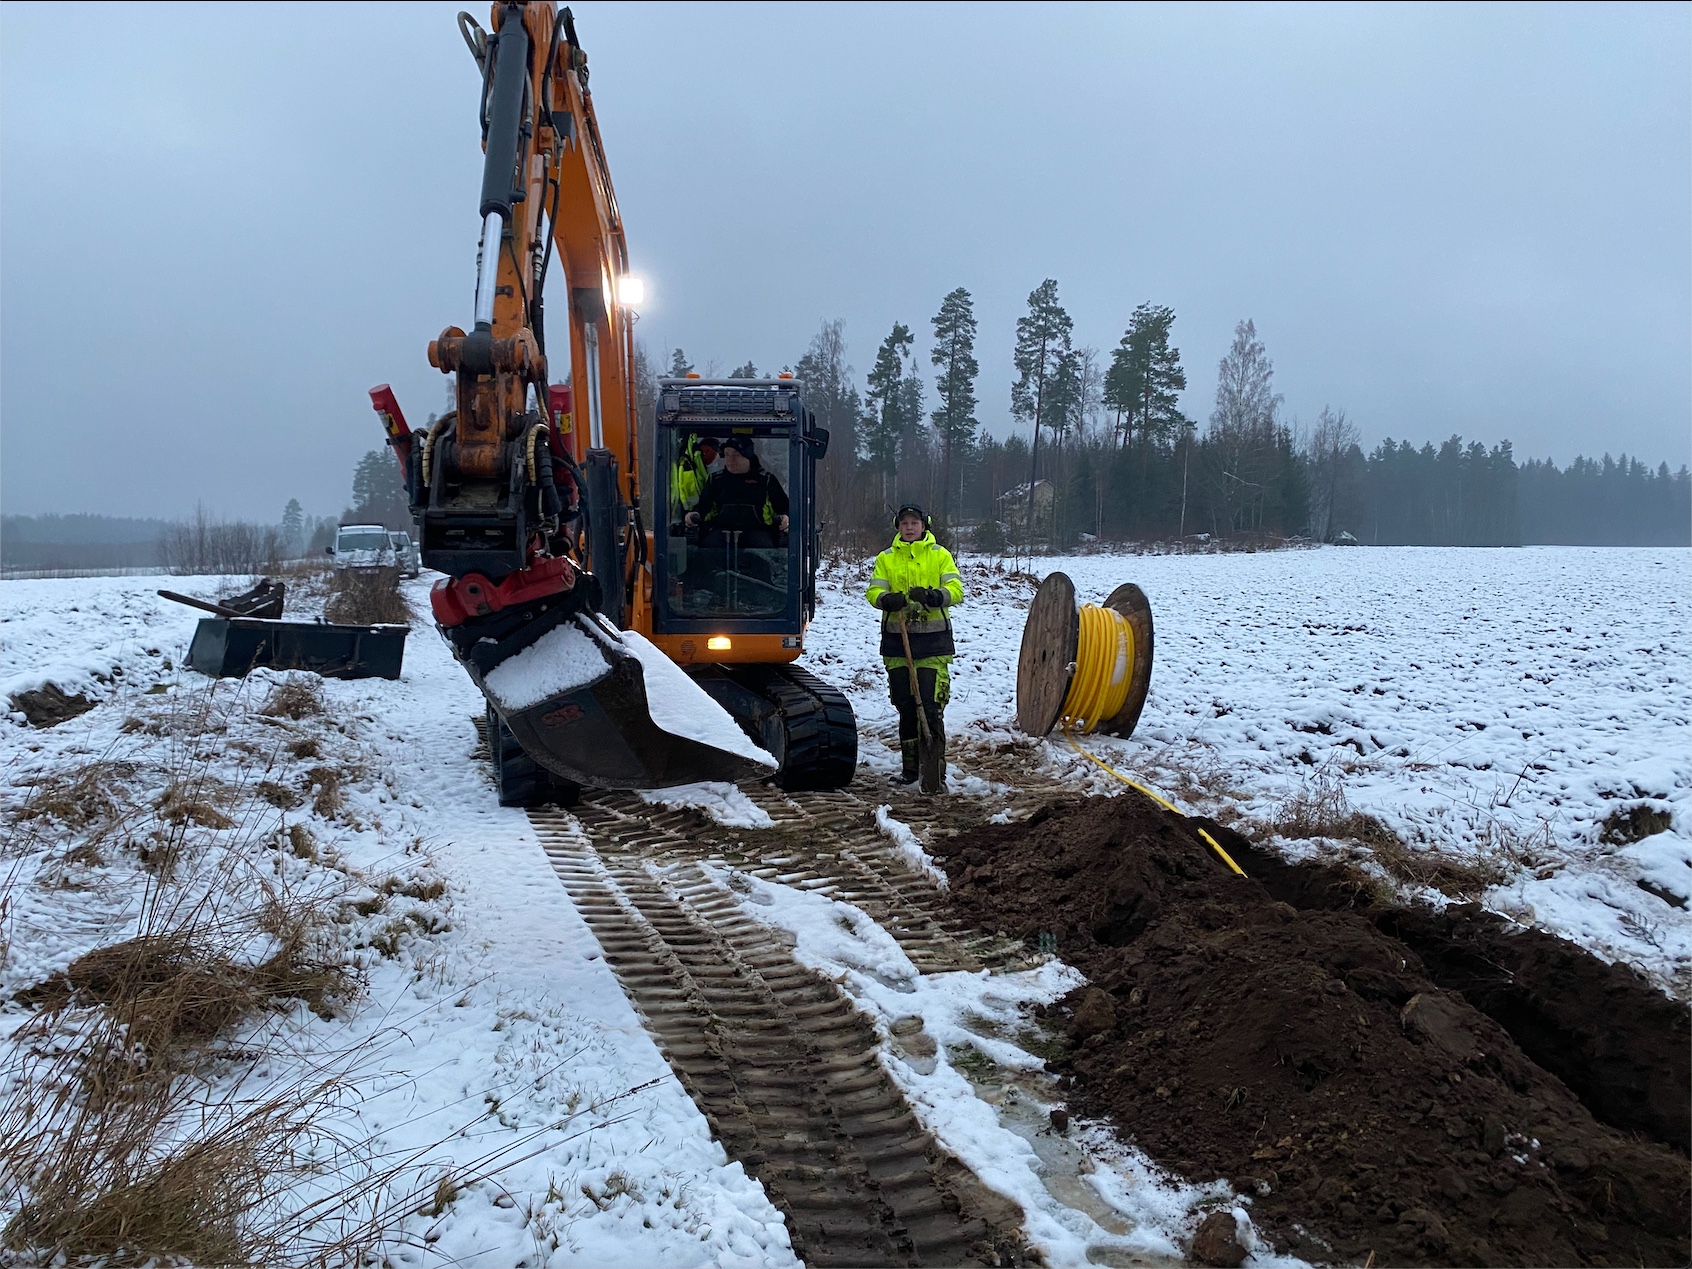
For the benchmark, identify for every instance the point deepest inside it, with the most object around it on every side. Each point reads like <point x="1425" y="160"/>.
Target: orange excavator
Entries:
<point x="613" y="653"/>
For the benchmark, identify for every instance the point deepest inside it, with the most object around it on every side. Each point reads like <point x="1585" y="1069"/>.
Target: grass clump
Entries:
<point x="1321" y="810"/>
<point x="298" y="697"/>
<point x="367" y="597"/>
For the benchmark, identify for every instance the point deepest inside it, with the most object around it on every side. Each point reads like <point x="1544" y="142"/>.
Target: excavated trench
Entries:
<point x="1419" y="1087"/>
<point x="1386" y="1083"/>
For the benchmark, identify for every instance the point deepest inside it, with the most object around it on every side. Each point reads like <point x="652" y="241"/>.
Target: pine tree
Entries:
<point x="1042" y="337"/>
<point x="747" y="371"/>
<point x="378" y="495"/>
<point x="1145" y="378"/>
<point x="886" y="399"/>
<point x="954" y="354"/>
<point x="680" y="366"/>
<point x="293" y="527"/>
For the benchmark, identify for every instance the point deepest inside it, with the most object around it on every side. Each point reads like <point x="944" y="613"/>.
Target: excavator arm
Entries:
<point x="527" y="494"/>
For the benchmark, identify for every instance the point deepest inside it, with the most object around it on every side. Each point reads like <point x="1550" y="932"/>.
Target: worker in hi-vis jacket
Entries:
<point x="917" y="576"/>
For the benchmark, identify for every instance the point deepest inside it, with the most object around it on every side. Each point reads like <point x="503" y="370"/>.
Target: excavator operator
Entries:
<point x="741" y="497"/>
<point x="918" y="575"/>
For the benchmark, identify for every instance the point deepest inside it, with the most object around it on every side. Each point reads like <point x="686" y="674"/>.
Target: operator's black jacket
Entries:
<point x="752" y="500"/>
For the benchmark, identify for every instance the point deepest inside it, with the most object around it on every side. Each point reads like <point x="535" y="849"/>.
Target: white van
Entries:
<point x="406" y="554"/>
<point x="362" y="546"/>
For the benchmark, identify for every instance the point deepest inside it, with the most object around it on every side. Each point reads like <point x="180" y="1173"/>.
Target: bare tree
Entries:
<point x="202" y="544"/>
<point x="1328" y="454"/>
<point x="1090" y="374"/>
<point x="1242" y="432"/>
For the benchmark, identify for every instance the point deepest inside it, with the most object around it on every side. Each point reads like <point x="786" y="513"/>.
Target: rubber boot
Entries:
<point x="909" y="756"/>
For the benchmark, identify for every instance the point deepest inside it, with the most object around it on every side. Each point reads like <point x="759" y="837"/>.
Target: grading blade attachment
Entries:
<point x="607" y="709"/>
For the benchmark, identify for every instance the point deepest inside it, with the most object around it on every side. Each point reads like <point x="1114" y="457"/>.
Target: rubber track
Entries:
<point x="782" y="1066"/>
<point x="820" y="732"/>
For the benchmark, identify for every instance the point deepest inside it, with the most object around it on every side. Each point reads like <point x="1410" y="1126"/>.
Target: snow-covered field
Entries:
<point x="490" y="1038"/>
<point x="1486" y="703"/>
<point x="1494" y="704"/>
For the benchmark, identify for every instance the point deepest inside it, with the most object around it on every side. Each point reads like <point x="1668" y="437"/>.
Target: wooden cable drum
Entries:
<point x="1087" y="667"/>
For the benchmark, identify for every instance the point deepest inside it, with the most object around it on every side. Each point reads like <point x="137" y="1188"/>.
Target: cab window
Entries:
<point x="727" y="554"/>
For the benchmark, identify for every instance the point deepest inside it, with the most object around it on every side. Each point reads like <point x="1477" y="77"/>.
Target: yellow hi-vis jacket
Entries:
<point x="688" y="475"/>
<point x="902" y="566"/>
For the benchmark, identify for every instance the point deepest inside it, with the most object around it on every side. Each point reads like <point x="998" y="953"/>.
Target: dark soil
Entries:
<point x="1354" y="1071"/>
<point x="1620" y="1045"/>
<point x="48" y="706"/>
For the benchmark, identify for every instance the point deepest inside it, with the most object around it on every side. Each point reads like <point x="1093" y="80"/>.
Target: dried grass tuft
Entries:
<point x="297" y="697"/>
<point x="1321" y="809"/>
<point x="183" y="804"/>
<point x="325" y="786"/>
<point x="112" y="1146"/>
<point x="79" y="798"/>
<point x="367" y="597"/>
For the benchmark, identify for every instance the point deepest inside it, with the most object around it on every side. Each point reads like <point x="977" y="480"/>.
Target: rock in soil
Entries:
<point x="1217" y="1241"/>
<point x="1374" y="1108"/>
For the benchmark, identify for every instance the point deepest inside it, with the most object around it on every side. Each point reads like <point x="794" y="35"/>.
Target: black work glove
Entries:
<point x="892" y="601"/>
<point x="929" y="596"/>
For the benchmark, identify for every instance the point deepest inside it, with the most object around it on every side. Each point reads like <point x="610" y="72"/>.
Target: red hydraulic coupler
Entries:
<point x="456" y="600"/>
<point x="387" y="408"/>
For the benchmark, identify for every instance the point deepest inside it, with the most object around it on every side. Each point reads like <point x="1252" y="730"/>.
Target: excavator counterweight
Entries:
<point x="528" y="494"/>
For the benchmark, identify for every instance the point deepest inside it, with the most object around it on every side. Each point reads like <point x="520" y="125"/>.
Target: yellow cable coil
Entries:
<point x="1104" y="669"/>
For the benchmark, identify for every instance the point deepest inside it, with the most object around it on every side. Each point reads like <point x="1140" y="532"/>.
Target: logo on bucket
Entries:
<point x="563" y="714"/>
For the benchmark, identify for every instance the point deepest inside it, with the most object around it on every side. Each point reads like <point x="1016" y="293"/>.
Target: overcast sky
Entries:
<point x="219" y="225"/>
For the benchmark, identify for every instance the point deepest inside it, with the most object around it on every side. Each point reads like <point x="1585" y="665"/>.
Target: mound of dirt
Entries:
<point x="1629" y="1058"/>
<point x="1312" y="1058"/>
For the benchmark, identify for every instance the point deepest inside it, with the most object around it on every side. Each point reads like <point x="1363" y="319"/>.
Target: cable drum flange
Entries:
<point x="1077" y="661"/>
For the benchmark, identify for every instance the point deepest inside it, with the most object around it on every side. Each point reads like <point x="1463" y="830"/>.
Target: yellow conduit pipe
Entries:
<point x="1104" y="669"/>
<point x="1165" y="803"/>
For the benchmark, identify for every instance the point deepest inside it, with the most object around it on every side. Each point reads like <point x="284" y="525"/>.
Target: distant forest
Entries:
<point x="1106" y="455"/>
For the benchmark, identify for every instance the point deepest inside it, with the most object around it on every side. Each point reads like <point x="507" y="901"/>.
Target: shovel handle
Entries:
<point x="916" y="684"/>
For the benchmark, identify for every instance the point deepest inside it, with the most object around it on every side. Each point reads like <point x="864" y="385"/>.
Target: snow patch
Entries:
<point x="681" y="707"/>
<point x="722" y="802"/>
<point x="909" y="847"/>
<point x="563" y="659"/>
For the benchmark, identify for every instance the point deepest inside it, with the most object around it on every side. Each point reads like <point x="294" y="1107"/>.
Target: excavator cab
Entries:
<point x="735" y="564"/>
<point x="736" y="476"/>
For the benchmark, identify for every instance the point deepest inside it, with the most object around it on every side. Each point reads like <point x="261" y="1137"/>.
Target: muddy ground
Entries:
<point x="1427" y="1087"/>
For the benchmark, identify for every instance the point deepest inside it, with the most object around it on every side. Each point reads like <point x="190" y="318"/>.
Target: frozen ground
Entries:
<point x="1498" y="705"/>
<point x="491" y="1037"/>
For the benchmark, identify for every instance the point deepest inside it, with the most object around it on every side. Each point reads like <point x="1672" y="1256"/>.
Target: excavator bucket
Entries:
<point x="605" y="708"/>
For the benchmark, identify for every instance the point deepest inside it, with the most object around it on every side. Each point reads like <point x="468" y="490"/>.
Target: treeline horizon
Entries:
<point x="1109" y="457"/>
<point x="1108" y="454"/>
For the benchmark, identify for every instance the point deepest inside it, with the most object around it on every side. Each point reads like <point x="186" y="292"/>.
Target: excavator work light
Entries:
<point x="719" y="643"/>
<point x="630" y="290"/>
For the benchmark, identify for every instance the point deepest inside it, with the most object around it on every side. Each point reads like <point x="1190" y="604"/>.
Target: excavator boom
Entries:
<point x="527" y="494"/>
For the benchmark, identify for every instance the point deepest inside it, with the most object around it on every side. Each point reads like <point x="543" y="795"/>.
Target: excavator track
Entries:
<point x="781" y="1065"/>
<point x="807" y="724"/>
<point x="776" y="1057"/>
